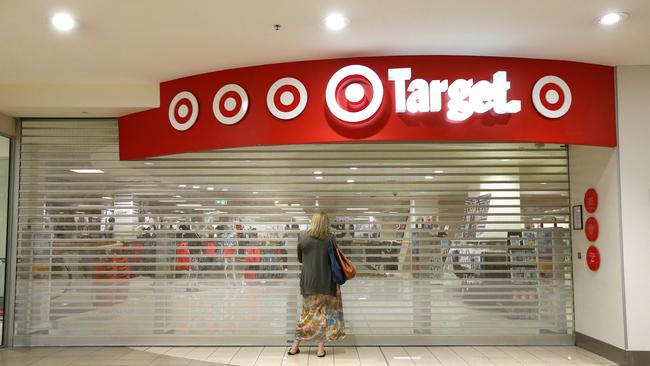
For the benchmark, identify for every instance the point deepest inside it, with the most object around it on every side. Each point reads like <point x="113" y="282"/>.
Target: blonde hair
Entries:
<point x="320" y="225"/>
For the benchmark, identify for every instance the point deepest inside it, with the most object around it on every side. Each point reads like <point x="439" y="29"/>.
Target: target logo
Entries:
<point x="183" y="111"/>
<point x="354" y="93"/>
<point x="286" y="98"/>
<point x="552" y="97"/>
<point x="230" y="104"/>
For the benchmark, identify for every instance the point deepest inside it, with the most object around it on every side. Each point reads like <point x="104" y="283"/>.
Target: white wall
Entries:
<point x="598" y="296"/>
<point x="633" y="88"/>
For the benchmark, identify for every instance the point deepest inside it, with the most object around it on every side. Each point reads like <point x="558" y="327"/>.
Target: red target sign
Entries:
<point x="286" y="98"/>
<point x="230" y="104"/>
<point x="552" y="97"/>
<point x="591" y="229"/>
<point x="183" y="111"/>
<point x="591" y="200"/>
<point x="354" y="93"/>
<point x="593" y="258"/>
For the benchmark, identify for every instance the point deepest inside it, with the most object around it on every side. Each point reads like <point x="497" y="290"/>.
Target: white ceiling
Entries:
<point x="127" y="43"/>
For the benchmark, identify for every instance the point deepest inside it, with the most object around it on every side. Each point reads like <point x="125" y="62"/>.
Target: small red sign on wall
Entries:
<point x="591" y="229"/>
<point x="593" y="258"/>
<point x="591" y="200"/>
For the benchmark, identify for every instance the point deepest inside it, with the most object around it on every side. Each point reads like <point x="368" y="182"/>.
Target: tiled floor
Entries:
<point x="276" y="356"/>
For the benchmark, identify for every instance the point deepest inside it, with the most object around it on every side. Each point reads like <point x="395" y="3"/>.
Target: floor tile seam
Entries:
<point x="427" y="349"/>
<point x="490" y="358"/>
<point x="460" y="356"/>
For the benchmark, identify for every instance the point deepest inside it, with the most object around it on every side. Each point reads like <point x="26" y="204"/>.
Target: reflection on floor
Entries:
<point x="276" y="356"/>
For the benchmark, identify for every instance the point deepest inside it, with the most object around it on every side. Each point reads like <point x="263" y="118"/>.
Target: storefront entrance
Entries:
<point x="455" y="243"/>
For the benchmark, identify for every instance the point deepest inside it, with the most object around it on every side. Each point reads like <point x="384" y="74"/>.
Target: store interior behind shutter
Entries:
<point x="455" y="243"/>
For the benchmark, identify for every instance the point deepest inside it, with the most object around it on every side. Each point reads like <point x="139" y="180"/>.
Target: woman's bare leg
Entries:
<point x="295" y="346"/>
<point x="321" y="348"/>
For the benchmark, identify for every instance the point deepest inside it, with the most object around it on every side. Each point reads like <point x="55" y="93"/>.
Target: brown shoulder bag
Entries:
<point x="349" y="271"/>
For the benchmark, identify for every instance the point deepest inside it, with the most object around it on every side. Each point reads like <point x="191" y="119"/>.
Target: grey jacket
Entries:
<point x="315" y="274"/>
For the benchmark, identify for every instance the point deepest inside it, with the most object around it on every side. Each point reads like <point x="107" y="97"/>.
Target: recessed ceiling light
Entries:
<point x="350" y="180"/>
<point x="438" y="171"/>
<point x="182" y="186"/>
<point x="224" y="189"/>
<point x="612" y="18"/>
<point x="354" y="168"/>
<point x="428" y="177"/>
<point x="178" y="196"/>
<point x="318" y="172"/>
<point x="63" y="22"/>
<point x="256" y="192"/>
<point x="210" y="188"/>
<point x="87" y="171"/>
<point x="107" y="198"/>
<point x="148" y="163"/>
<point x="319" y="177"/>
<point x="196" y="187"/>
<point x="336" y="21"/>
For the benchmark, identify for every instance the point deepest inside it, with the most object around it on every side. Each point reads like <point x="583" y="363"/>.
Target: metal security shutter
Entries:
<point x="454" y="243"/>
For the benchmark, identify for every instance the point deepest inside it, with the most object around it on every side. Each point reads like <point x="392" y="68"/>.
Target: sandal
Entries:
<point x="321" y="356"/>
<point x="294" y="353"/>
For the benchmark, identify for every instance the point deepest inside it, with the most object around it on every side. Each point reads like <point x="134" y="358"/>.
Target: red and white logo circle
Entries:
<point x="354" y="93"/>
<point x="230" y="104"/>
<point x="287" y="98"/>
<point x="551" y="96"/>
<point x="183" y="111"/>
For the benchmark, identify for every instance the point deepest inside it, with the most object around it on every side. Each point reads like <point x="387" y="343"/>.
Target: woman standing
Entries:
<point x="322" y="308"/>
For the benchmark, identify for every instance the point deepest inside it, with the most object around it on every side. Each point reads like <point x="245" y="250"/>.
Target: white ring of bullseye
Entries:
<point x="227" y="104"/>
<point x="371" y="108"/>
<point x="550" y="97"/>
<point x="284" y="99"/>
<point x="172" y="111"/>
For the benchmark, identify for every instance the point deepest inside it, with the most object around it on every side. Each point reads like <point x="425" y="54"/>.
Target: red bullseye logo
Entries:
<point x="230" y="104"/>
<point x="552" y="97"/>
<point x="286" y="98"/>
<point x="183" y="111"/>
<point x="354" y="93"/>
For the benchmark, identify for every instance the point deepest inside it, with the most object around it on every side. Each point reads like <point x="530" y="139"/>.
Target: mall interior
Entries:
<point x="483" y="166"/>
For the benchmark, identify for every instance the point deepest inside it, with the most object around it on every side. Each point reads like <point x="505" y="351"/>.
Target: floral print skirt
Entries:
<point x="322" y="318"/>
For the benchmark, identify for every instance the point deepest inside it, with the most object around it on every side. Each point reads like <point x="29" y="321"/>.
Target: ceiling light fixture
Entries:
<point x="87" y="171"/>
<point x="224" y="189"/>
<point x="196" y="187"/>
<point x="320" y="177"/>
<point x="438" y="171"/>
<point x="182" y="186"/>
<point x="148" y="163"/>
<point x="210" y="188"/>
<point x="354" y="168"/>
<point x="318" y="172"/>
<point x="612" y="18"/>
<point x="63" y="22"/>
<point x="336" y="22"/>
<point x="350" y="180"/>
<point x="428" y="177"/>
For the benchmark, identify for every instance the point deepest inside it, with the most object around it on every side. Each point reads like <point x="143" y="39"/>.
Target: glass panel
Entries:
<point x="454" y="241"/>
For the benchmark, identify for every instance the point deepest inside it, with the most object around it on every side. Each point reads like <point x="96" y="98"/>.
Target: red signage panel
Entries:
<point x="401" y="98"/>
<point x="593" y="258"/>
<point x="592" y="229"/>
<point x="591" y="200"/>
